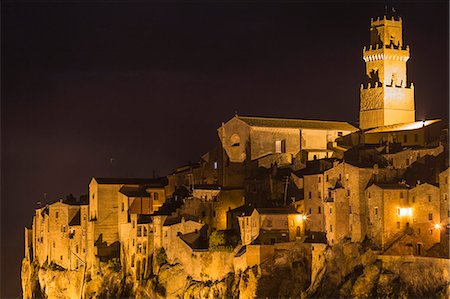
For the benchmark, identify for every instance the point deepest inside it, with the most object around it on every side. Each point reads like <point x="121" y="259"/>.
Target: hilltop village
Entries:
<point x="273" y="193"/>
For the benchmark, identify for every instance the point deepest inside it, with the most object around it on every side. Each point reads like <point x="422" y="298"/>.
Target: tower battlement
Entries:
<point x="385" y="20"/>
<point x="386" y="98"/>
<point x="380" y="85"/>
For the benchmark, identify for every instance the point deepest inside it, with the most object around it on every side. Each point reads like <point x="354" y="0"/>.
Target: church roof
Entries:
<point x="404" y="127"/>
<point x="296" y="123"/>
<point x="151" y="182"/>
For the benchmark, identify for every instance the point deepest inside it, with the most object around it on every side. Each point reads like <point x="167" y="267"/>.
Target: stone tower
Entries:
<point x="386" y="98"/>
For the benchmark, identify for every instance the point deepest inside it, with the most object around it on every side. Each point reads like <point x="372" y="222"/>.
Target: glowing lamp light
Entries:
<point x="300" y="218"/>
<point x="437" y="226"/>
<point x="405" y="212"/>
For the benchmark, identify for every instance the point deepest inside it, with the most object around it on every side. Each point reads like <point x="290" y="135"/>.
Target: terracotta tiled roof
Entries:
<point x="404" y="126"/>
<point x="296" y="123"/>
<point x="119" y="181"/>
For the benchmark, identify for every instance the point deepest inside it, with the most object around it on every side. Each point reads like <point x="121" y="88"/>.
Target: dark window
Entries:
<point x="57" y="215"/>
<point x="413" y="199"/>
<point x="401" y="194"/>
<point x="430" y="216"/>
<point x="319" y="210"/>
<point x="339" y="134"/>
<point x="320" y="195"/>
<point x="350" y="209"/>
<point x="429" y="198"/>
<point x="310" y="211"/>
<point x="309" y="195"/>
<point x="319" y="179"/>
<point x="327" y="178"/>
<point x="376" y="211"/>
<point x="123" y="206"/>
<point x="331" y="228"/>
<point x="155" y="196"/>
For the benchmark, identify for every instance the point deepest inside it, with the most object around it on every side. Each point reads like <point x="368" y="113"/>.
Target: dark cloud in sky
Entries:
<point x="149" y="84"/>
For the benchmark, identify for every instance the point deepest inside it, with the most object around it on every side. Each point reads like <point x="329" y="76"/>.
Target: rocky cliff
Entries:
<point x="346" y="270"/>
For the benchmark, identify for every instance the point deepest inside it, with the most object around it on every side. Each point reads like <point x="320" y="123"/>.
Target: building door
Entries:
<point x="138" y="270"/>
<point x="298" y="231"/>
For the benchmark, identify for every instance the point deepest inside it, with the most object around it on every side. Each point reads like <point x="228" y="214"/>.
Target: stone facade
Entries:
<point x="271" y="225"/>
<point x="253" y="138"/>
<point x="58" y="235"/>
<point x="405" y="158"/>
<point x="397" y="210"/>
<point x="387" y="98"/>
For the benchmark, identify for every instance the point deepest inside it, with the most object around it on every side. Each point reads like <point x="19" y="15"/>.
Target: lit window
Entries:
<point x="215" y="165"/>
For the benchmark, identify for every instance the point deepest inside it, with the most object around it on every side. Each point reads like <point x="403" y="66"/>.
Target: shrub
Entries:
<point x="114" y="265"/>
<point x="161" y="257"/>
<point x="217" y="242"/>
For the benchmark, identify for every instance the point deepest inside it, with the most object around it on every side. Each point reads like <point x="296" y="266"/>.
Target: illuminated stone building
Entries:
<point x="386" y="98"/>
<point x="397" y="211"/>
<point x="58" y="234"/>
<point x="270" y="226"/>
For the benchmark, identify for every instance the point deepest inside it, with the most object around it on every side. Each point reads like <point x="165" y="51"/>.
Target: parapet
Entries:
<point x="380" y="85"/>
<point x="385" y="21"/>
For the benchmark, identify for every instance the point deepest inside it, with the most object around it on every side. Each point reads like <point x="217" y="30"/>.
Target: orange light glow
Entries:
<point x="437" y="226"/>
<point x="405" y="212"/>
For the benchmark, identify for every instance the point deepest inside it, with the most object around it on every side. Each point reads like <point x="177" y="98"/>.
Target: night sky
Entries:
<point x="149" y="84"/>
